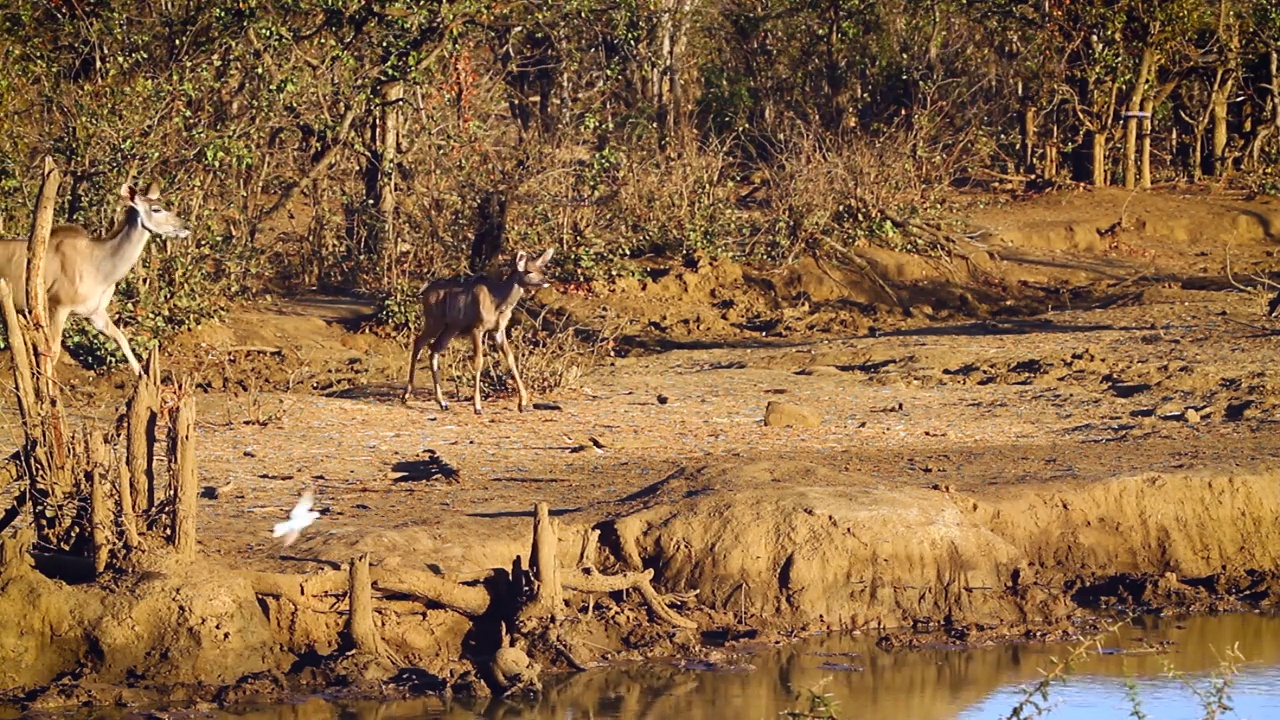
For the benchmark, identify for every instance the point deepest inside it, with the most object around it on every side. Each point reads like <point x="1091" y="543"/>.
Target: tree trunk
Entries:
<point x="1099" y="147"/>
<point x="1148" y="107"/>
<point x="668" y="90"/>
<point x="1132" y="117"/>
<point x="386" y="142"/>
<point x="1219" y="107"/>
<point x="834" y="73"/>
<point x="676" y="66"/>
<point x="1197" y="155"/>
<point x="36" y="292"/>
<point x="1051" y="169"/>
<point x="1029" y="120"/>
<point x="1228" y="71"/>
<point x="491" y="228"/>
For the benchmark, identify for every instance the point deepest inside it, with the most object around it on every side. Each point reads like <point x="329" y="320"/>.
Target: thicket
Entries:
<point x="364" y="145"/>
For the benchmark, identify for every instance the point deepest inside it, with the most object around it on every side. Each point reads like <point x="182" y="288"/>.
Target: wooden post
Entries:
<point x="184" y="488"/>
<point x="100" y="517"/>
<point x="360" y="628"/>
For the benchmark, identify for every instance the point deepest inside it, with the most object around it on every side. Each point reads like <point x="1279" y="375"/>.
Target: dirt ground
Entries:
<point x="1091" y="357"/>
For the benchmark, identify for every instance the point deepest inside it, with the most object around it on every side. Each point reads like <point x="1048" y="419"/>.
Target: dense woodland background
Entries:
<point x="365" y="145"/>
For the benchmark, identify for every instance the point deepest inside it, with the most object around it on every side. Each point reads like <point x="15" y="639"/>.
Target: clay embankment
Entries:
<point x="777" y="547"/>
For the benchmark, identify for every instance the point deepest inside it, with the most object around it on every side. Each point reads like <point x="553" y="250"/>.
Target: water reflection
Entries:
<point x="973" y="685"/>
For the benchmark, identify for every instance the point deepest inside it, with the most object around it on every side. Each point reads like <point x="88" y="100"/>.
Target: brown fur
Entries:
<point x="476" y="306"/>
<point x="81" y="271"/>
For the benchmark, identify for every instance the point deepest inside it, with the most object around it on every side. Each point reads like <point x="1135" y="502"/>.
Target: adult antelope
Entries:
<point x="81" y="271"/>
<point x="477" y="305"/>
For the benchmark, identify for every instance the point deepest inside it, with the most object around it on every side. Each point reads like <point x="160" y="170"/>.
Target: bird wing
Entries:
<point x="303" y="507"/>
<point x="289" y="537"/>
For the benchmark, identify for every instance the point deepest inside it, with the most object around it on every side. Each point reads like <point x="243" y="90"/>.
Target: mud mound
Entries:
<point x="172" y="625"/>
<point x="44" y="630"/>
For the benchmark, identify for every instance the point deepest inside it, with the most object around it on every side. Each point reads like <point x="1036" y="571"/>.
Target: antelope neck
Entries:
<point x="509" y="292"/>
<point x="122" y="249"/>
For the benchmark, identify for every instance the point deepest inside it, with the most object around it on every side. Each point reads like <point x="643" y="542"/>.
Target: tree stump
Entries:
<point x="101" y="522"/>
<point x="140" y="442"/>
<point x="360" y="628"/>
<point x="185" y="488"/>
<point x="544" y="566"/>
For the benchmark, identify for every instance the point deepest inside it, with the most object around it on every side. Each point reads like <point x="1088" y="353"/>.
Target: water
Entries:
<point x="981" y="684"/>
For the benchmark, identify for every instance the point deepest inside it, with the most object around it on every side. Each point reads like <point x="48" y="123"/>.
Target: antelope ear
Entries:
<point x="127" y="192"/>
<point x="545" y="257"/>
<point x="522" y="260"/>
<point x="153" y="191"/>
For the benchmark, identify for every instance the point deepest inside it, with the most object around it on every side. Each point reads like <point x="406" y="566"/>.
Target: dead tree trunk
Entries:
<point x="184" y="489"/>
<point x="36" y="292"/>
<point x="49" y="473"/>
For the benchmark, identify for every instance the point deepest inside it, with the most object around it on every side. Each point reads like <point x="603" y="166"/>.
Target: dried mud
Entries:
<point x="1080" y="422"/>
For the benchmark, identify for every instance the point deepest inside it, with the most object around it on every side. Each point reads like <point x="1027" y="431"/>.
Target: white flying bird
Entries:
<point x="299" y="517"/>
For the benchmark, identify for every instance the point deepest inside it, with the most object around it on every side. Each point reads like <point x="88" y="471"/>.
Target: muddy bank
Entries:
<point x="794" y="542"/>
<point x="768" y="548"/>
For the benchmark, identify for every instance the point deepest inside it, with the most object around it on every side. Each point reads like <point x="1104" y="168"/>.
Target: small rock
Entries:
<point x="1191" y="416"/>
<point x="513" y="669"/>
<point x="780" y="414"/>
<point x="663" y="399"/>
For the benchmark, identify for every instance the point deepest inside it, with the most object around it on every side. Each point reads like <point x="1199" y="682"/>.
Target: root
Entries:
<point x="588" y="581"/>
<point x="468" y="600"/>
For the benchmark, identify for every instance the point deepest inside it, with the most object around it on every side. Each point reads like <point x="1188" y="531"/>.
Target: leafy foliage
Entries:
<point x="350" y="146"/>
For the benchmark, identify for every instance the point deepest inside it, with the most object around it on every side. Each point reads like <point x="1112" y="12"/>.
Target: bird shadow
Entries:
<point x="332" y="565"/>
